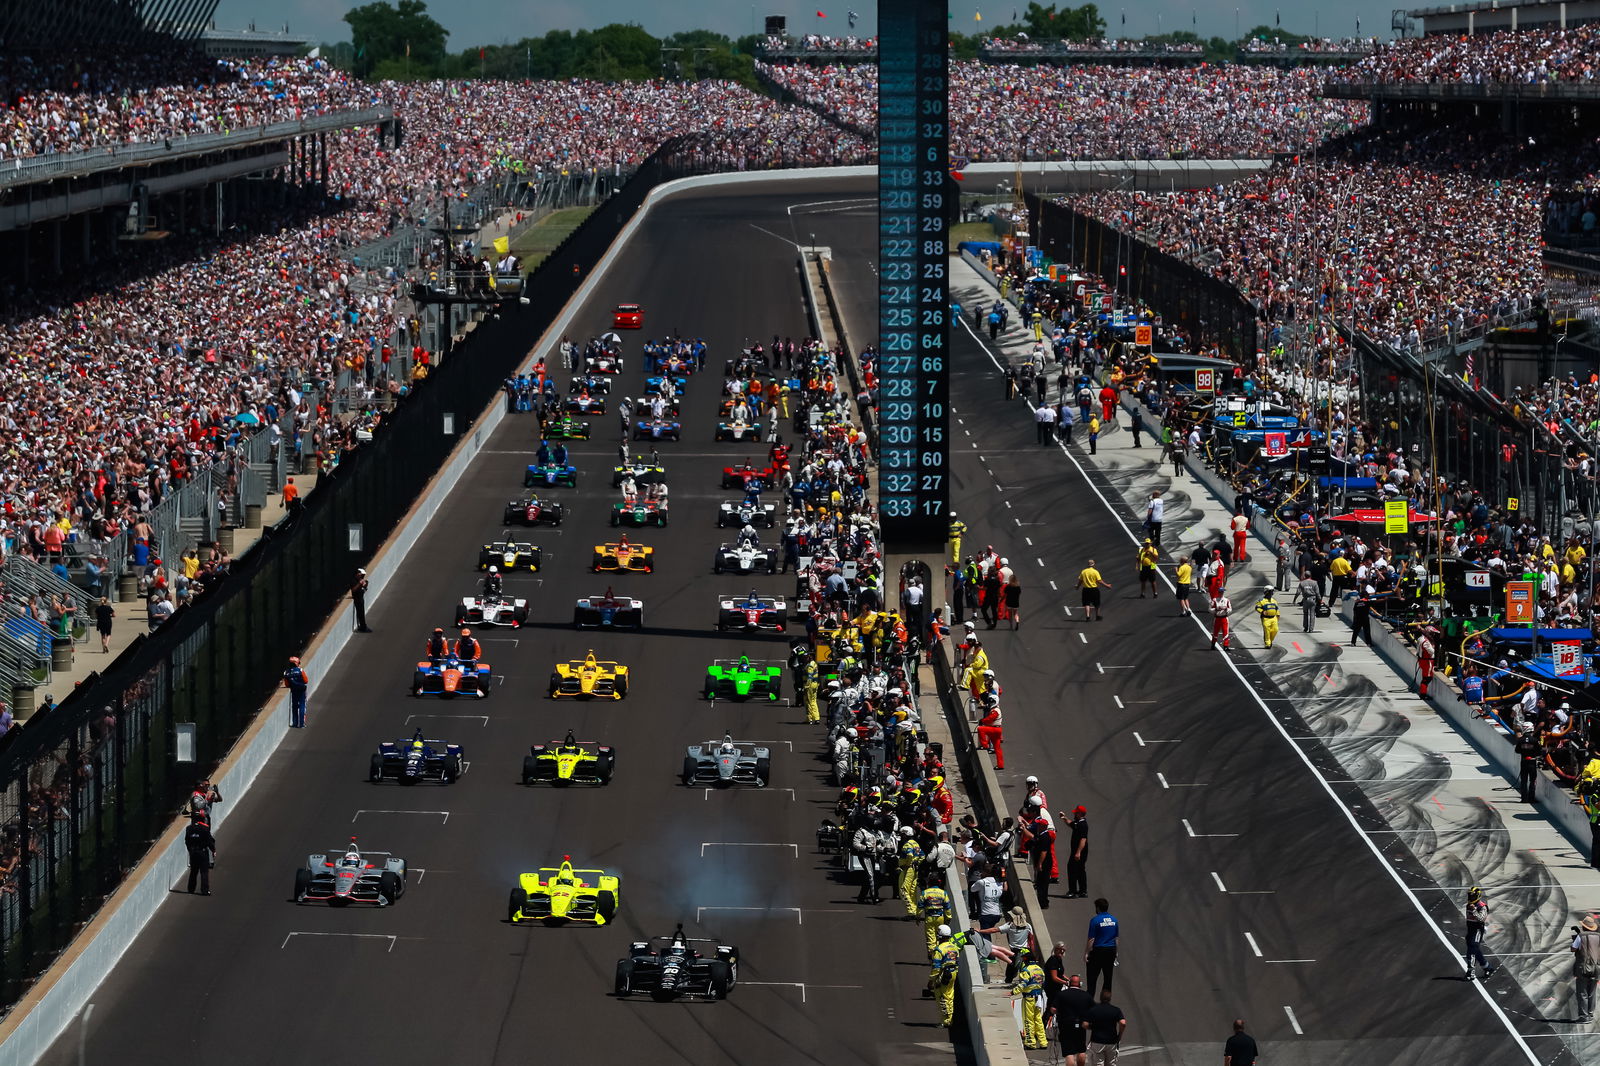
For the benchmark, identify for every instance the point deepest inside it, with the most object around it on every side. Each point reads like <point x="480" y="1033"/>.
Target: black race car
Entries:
<point x="416" y="759"/>
<point x="678" y="967"/>
<point x="531" y="510"/>
<point x="510" y="555"/>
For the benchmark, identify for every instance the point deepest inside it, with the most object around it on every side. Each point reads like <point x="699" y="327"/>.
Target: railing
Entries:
<point x="114" y="157"/>
<point x="1491" y="90"/>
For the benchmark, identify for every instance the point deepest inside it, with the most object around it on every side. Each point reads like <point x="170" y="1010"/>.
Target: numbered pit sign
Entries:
<point x="1205" y="381"/>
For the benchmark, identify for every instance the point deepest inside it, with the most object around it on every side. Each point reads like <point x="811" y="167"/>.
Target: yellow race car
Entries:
<point x="623" y="555"/>
<point x="562" y="895"/>
<point x="589" y="678"/>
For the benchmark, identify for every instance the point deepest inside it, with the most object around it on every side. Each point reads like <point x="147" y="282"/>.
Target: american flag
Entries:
<point x="1466" y="373"/>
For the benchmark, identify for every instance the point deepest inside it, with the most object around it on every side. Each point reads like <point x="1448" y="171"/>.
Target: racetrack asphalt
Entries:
<point x="247" y="977"/>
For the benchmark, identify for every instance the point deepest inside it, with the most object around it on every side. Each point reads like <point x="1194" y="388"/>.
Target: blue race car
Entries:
<point x="416" y="759"/>
<point x="550" y="474"/>
<point x="595" y="383"/>
<point x="447" y="676"/>
<point x="671" y="363"/>
<point x="608" y="612"/>
<point x="657" y="429"/>
<point x="652" y="386"/>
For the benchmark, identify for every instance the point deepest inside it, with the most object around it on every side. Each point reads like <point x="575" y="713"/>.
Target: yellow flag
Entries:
<point x="502" y="245"/>
<point x="977" y="16"/>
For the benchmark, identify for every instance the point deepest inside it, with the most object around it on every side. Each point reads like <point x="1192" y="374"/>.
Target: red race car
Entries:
<point x="627" y="316"/>
<point x="740" y="477"/>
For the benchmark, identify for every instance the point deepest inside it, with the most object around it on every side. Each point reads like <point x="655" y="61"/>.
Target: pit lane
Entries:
<point x="248" y="976"/>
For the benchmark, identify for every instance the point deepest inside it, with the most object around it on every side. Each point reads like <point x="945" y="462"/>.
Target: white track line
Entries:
<point x="1450" y="944"/>
<point x="1218" y="879"/>
<point x="1301" y="1032"/>
<point x="1253" y="945"/>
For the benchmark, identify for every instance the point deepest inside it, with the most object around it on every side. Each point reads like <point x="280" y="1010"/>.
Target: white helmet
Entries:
<point x="944" y="930"/>
<point x="905" y="830"/>
<point x="851" y="732"/>
<point x="1033" y="801"/>
<point x="1005" y="562"/>
<point x="494" y="569"/>
<point x="1030" y="780"/>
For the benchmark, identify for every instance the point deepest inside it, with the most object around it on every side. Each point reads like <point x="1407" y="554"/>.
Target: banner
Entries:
<point x="1568" y="657"/>
<point x="1276" y="445"/>
<point x="1519" y="603"/>
<point x="1143" y="336"/>
<point x="1205" y="381"/>
<point x="1396" y="516"/>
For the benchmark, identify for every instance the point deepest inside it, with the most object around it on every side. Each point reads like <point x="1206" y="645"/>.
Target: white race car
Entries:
<point x="491" y="611"/>
<point x="744" y="559"/>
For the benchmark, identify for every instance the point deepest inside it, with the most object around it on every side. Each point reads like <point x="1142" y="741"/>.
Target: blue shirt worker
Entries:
<point x="1100" y="955"/>
<point x="297" y="682"/>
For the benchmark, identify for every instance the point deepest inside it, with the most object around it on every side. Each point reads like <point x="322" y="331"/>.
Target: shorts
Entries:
<point x="1182" y="592"/>
<point x="1147" y="573"/>
<point x="1091" y="597"/>
<point x="1074" y="1041"/>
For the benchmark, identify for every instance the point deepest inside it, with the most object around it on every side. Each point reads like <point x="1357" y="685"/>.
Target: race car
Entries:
<point x="491" y="611"/>
<point x="652" y="385"/>
<point x="569" y="762"/>
<point x="622" y="555"/>
<point x="416" y="759"/>
<point x="676" y="966"/>
<point x="627" y="316"/>
<point x="738" y="431"/>
<point x="744" y="559"/>
<point x="742" y="477"/>
<point x="589" y="678"/>
<point x="604" y="361"/>
<point x="747" y="512"/>
<point x="596" y="383"/>
<point x="510" y="554"/>
<point x="608" y="612"/>
<point x="743" y="679"/>
<point x="641" y="512"/>
<point x="584" y="403"/>
<point x="549" y="475"/>
<point x="657" y="429"/>
<point x="561" y="895"/>
<point x="531" y="510"/>
<point x="566" y="428"/>
<point x="671" y="363"/>
<point x="346" y="878"/>
<point x="643" y="473"/>
<point x="752" y="612"/>
<point x="447" y="676"/>
<point x="727" y="763"/>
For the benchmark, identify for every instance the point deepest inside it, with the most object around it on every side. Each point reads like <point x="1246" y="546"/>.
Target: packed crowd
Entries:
<point x="62" y="104"/>
<point x="1345" y="45"/>
<point x="1003" y="112"/>
<point x="126" y="382"/>
<point x="1411" y="235"/>
<point x="820" y="42"/>
<point x="1546" y="54"/>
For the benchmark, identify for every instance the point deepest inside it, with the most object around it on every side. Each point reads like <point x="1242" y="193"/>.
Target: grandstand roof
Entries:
<point x="77" y="25"/>
<point x="1486" y="15"/>
<point x="230" y="44"/>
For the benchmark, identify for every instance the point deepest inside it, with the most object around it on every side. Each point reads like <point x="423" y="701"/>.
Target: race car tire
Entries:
<point x="520" y="614"/>
<point x="556" y="521"/>
<point x="606" y="766"/>
<point x="519" y="900"/>
<point x="689" y="767"/>
<point x="606" y="905"/>
<point x="721" y="978"/>
<point x="622" y="685"/>
<point x="716" y="567"/>
<point x="763" y="772"/>
<point x="711" y="689"/>
<point x="616" y="520"/>
<point x="389" y="885"/>
<point x="452" y="769"/>
<point x="624" y="982"/>
<point x="772" y="567"/>
<point x="302" y="883"/>
<point x="555" y="685"/>
<point x="375" y="771"/>
<point x="530" y="766"/>
<point x="461" y="616"/>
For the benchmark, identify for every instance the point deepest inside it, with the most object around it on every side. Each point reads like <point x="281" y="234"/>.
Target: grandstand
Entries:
<point x="1484" y="16"/>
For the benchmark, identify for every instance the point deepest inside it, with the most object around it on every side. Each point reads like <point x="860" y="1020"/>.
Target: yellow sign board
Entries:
<point x="1396" y="516"/>
<point x="1512" y="503"/>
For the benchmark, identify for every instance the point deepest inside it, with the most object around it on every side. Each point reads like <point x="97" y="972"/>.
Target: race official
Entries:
<point x="1090" y="582"/>
<point x="1267" y="608"/>
<point x="202" y="848"/>
<point x="944" y="960"/>
<point x="934" y="908"/>
<point x="911" y="857"/>
<point x="1183" y="584"/>
<point x="1100" y="954"/>
<point x="358" y="599"/>
<point x="1221" y="608"/>
<point x="298" y="683"/>
<point x="1425" y="656"/>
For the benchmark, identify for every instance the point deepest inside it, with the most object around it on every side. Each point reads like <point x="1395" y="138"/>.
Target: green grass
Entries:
<point x="971" y="231"/>
<point x="541" y="238"/>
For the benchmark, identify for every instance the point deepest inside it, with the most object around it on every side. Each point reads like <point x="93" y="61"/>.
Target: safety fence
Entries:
<point x="86" y="786"/>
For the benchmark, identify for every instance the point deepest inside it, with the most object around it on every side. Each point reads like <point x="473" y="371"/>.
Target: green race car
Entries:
<point x="566" y="428"/>
<point x="742" y="679"/>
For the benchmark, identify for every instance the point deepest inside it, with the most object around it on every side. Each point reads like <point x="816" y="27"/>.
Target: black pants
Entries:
<point x="360" y="601"/>
<point x="200" y="869"/>
<point x="1136" y="432"/>
<point x="1045" y="431"/>
<point x="1078" y="875"/>
<point x="1361" y="629"/>
<point x="990" y="608"/>
<point x="1528" y="779"/>
<point x="958" y="607"/>
<point x="1102" y="961"/>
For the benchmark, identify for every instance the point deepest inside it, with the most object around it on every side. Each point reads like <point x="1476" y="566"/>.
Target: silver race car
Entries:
<point x="744" y="558"/>
<point x="727" y="763"/>
<point x="747" y="513"/>
<point x="351" y="877"/>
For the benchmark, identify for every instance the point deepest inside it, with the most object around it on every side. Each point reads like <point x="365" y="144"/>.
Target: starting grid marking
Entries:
<point x="801" y="985"/>
<point x="744" y="844"/>
<point x="1192" y="833"/>
<point x="799" y="915"/>
<point x="443" y="814"/>
<point x="357" y="936"/>
<point x="482" y="719"/>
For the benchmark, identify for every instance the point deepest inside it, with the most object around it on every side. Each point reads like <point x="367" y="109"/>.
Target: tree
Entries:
<point x="1072" y="23"/>
<point x="381" y="31"/>
<point x="1274" y="33"/>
